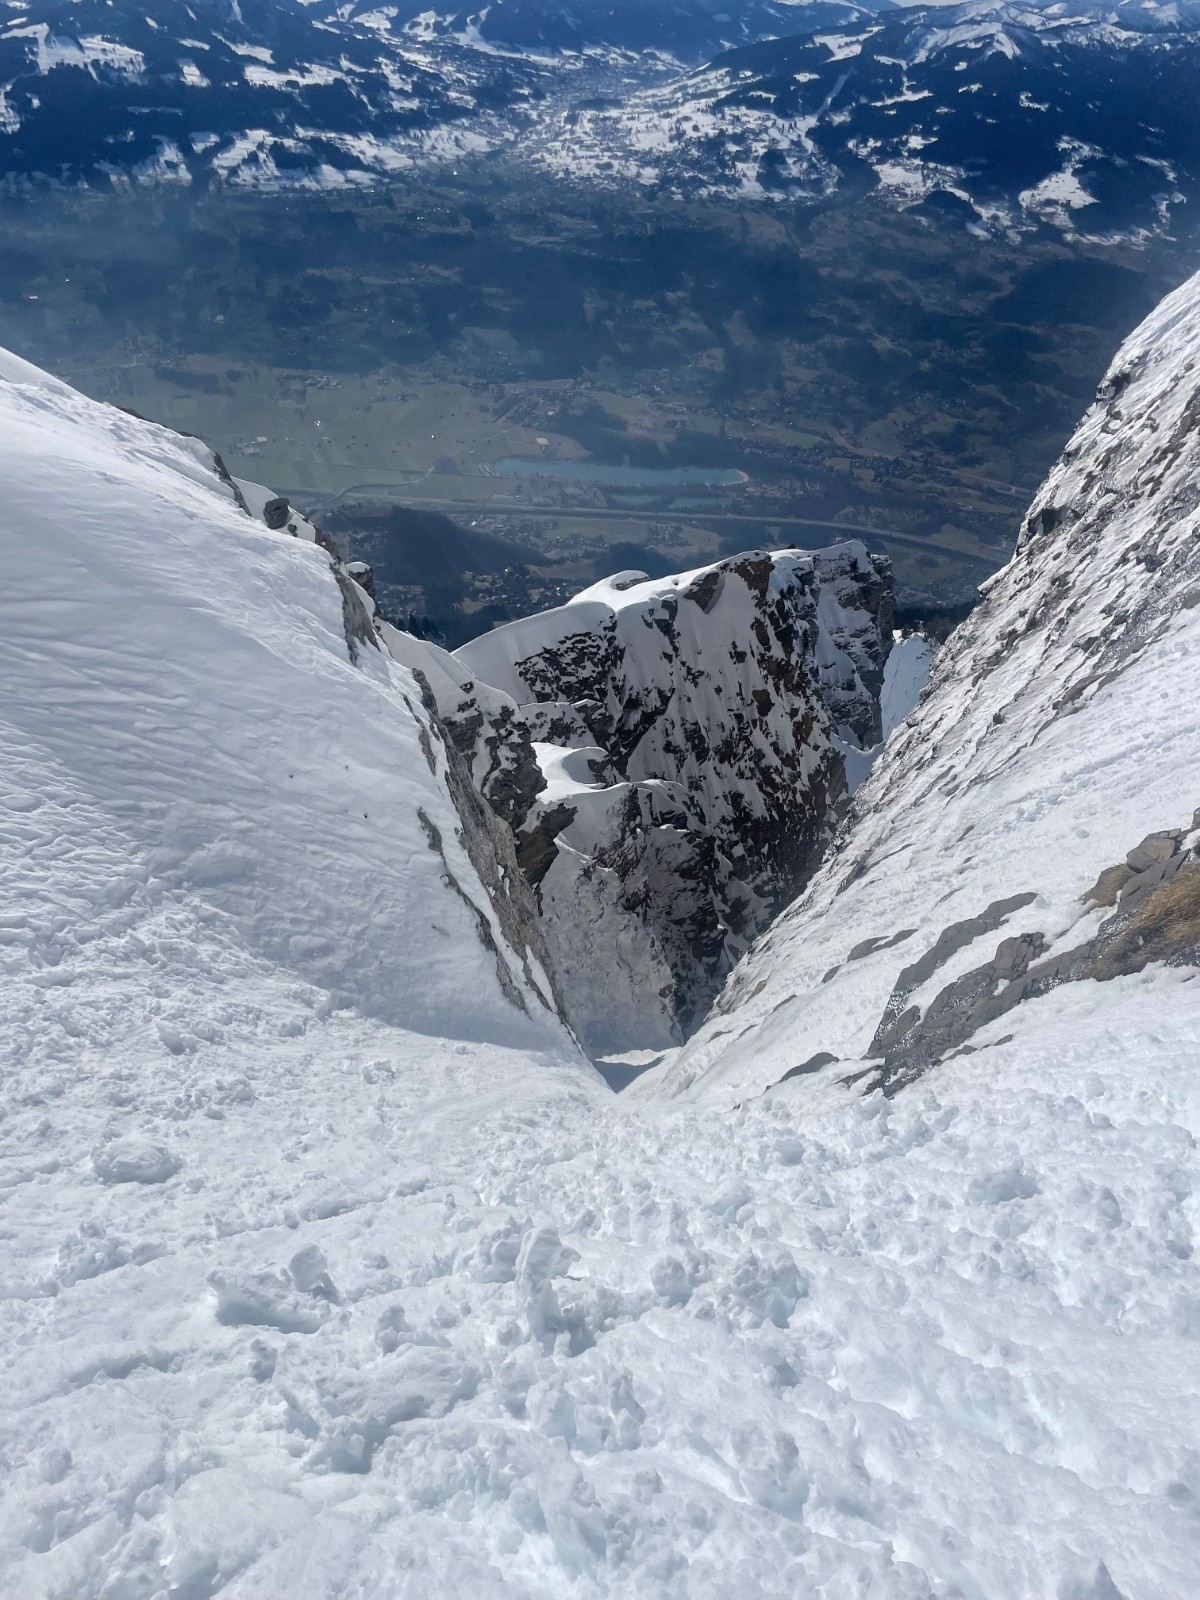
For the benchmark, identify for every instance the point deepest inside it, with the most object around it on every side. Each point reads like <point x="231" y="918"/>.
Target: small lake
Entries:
<point x="620" y="477"/>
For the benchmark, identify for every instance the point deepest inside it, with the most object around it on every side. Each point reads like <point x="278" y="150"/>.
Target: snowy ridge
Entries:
<point x="693" y="734"/>
<point x="280" y="795"/>
<point x="985" y="863"/>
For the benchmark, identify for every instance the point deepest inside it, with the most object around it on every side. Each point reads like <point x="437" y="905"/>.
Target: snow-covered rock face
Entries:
<point x="1031" y="828"/>
<point x="691" y="734"/>
<point x="485" y="726"/>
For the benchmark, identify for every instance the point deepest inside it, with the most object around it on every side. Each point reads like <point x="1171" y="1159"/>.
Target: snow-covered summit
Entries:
<point x="1032" y="826"/>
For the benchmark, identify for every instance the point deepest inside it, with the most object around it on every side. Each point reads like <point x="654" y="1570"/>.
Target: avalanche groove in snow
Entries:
<point x="328" y="1265"/>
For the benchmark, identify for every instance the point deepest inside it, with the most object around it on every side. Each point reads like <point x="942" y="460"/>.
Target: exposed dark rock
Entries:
<point x="895" y="1022"/>
<point x="706" y="589"/>
<point x="1113" y="386"/>
<point x="536" y="848"/>
<point x="1154" y="848"/>
<point x="356" y="617"/>
<point x="363" y="576"/>
<point x="1157" y="919"/>
<point x="488" y="732"/>
<point x="814" y="1064"/>
<point x="1165" y="927"/>
<point x="1107" y="887"/>
<point x="276" y="513"/>
<point x="496" y="747"/>
<point x="491" y="851"/>
<point x="869" y="946"/>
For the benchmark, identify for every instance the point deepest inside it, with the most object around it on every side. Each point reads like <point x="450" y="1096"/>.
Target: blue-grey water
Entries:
<point x="619" y="477"/>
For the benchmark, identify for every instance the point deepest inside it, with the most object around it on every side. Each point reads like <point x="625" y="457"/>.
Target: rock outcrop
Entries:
<point x="484" y="725"/>
<point x="664" y="761"/>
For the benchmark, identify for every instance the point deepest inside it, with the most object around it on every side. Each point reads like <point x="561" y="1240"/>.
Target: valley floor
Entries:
<point x="389" y="1316"/>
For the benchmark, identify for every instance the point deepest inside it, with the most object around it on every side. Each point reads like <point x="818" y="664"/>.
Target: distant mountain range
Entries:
<point x="1078" y="118"/>
<point x="688" y="31"/>
<point x="1000" y="114"/>
<point x="260" y="92"/>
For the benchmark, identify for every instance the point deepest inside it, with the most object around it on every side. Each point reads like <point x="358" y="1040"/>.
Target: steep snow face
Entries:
<point x="1031" y="827"/>
<point x="907" y="672"/>
<point x="692" y="733"/>
<point x="204" y="731"/>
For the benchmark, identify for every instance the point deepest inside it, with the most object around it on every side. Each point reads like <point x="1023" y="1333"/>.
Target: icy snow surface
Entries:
<point x="904" y="677"/>
<point x="328" y="1272"/>
<point x="905" y="674"/>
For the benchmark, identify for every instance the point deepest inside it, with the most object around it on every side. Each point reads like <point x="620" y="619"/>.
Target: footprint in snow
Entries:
<point x="265" y="1300"/>
<point x="134" y="1161"/>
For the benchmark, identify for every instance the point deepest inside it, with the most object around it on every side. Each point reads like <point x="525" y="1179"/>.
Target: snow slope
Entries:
<point x="296" y="1299"/>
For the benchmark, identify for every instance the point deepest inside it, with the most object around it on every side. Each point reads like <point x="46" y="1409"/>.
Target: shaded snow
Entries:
<point x="905" y="675"/>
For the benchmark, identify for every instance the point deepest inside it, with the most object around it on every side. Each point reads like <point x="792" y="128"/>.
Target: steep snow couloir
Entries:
<point x="327" y="1264"/>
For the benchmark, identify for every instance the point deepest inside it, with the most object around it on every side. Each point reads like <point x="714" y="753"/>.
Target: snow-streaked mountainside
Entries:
<point x="283" y="94"/>
<point x="680" y="30"/>
<point x="329" y="1267"/>
<point x="1033" y="827"/>
<point x="692" y="735"/>
<point x="1005" y="115"/>
<point x="262" y="93"/>
<point x="1074" y="116"/>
